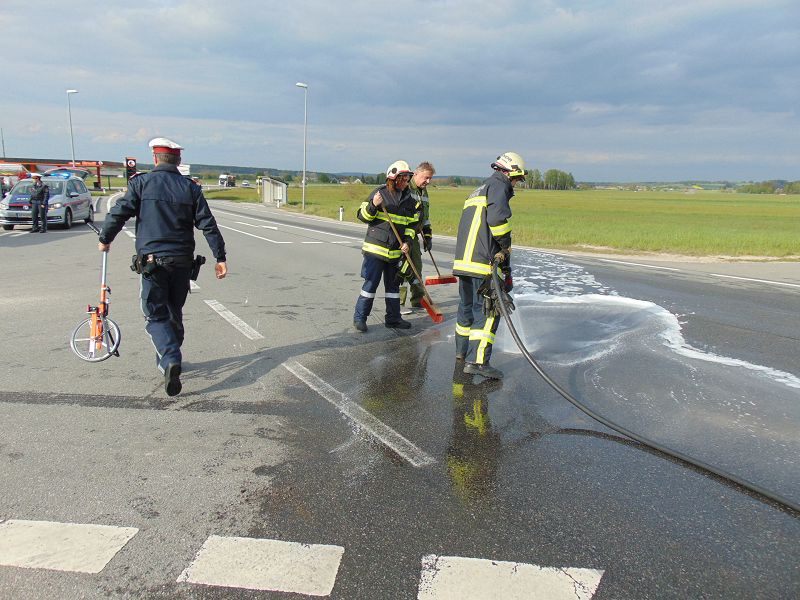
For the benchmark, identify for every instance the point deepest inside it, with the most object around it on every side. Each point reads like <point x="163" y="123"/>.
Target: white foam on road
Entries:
<point x="362" y="418"/>
<point x="267" y="565"/>
<point x="73" y="547"/>
<point x="460" y="578"/>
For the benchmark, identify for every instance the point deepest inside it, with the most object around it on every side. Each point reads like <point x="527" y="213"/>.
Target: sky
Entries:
<point x="614" y="90"/>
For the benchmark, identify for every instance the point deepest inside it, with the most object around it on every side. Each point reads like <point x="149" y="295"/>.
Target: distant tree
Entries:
<point x="793" y="187"/>
<point x="324" y="178"/>
<point x="457" y="180"/>
<point x="289" y="178"/>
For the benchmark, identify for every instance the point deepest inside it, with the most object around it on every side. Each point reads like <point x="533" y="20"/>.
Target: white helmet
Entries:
<point x="398" y="167"/>
<point x="510" y="162"/>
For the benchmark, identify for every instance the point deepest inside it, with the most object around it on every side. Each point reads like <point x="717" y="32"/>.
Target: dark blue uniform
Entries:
<point x="167" y="207"/>
<point x="40" y="195"/>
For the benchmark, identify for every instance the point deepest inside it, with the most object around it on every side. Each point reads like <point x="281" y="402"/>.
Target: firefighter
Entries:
<point x="418" y="187"/>
<point x="381" y="249"/>
<point x="167" y="207"/>
<point x="484" y="236"/>
<point x="40" y="195"/>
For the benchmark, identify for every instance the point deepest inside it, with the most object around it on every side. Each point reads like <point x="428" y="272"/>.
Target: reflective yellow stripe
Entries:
<point x="472" y="267"/>
<point x="380" y="250"/>
<point x="396" y="219"/>
<point x="410" y="233"/>
<point x="462" y="330"/>
<point x="499" y="230"/>
<point x="472" y="238"/>
<point x="486" y="338"/>
<point x="458" y="390"/>
<point x="364" y="212"/>
<point x="476" y="201"/>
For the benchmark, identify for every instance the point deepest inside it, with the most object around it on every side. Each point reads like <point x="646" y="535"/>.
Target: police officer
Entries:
<point x="40" y="196"/>
<point x="484" y="236"/>
<point x="167" y="207"/>
<point x="381" y="249"/>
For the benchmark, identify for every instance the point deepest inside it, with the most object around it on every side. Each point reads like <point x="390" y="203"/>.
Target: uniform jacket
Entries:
<point x="380" y="240"/>
<point x="167" y="207"/>
<point x="484" y="229"/>
<point x="40" y="193"/>
<point x="420" y="196"/>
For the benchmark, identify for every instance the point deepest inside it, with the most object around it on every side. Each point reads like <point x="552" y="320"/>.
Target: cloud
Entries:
<point x="455" y="82"/>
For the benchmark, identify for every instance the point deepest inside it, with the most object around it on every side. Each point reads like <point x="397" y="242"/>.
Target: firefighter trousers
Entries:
<point x="475" y="332"/>
<point x="372" y="270"/>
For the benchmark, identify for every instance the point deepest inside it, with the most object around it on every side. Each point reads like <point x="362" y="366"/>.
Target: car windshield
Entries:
<point x="24" y="187"/>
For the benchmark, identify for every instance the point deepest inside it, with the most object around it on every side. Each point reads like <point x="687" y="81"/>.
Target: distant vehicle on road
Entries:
<point x="227" y="180"/>
<point x="69" y="201"/>
<point x="245" y="183"/>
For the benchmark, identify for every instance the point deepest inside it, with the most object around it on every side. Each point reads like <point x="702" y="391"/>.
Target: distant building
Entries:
<point x="273" y="191"/>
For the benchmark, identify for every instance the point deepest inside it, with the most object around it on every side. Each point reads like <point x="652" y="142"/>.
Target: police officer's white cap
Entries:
<point x="165" y="145"/>
<point x="39" y="175"/>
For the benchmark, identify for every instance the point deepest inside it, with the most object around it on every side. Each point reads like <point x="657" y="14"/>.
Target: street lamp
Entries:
<point x="305" y="135"/>
<point x="69" y="109"/>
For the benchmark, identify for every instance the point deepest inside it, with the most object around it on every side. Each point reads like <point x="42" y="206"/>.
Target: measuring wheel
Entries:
<point x="95" y="339"/>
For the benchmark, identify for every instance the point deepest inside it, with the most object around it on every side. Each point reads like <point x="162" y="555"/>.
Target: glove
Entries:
<point x="427" y="242"/>
<point x="502" y="255"/>
<point x="509" y="282"/>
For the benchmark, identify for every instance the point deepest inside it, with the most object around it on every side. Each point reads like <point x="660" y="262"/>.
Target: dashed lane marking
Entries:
<point x="305" y="228"/>
<point x="795" y="285"/>
<point x="251" y="234"/>
<point x="459" y="578"/>
<point x="262" y="564"/>
<point x="231" y="318"/>
<point x="60" y="546"/>
<point x="622" y="262"/>
<point x="364" y="419"/>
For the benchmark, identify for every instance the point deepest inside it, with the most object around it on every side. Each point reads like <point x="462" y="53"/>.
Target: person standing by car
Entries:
<point x="484" y="238"/>
<point x="418" y="187"/>
<point x="40" y="196"/>
<point x="381" y="248"/>
<point x="167" y="207"/>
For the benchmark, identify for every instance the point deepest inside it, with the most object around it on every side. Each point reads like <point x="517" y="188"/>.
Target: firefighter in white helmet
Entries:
<point x="381" y="249"/>
<point x="484" y="236"/>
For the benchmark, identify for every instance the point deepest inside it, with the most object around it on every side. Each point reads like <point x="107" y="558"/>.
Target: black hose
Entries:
<point x="681" y="457"/>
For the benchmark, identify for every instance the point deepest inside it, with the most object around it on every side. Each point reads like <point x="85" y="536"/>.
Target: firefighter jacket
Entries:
<point x="380" y="240"/>
<point x="420" y="195"/>
<point x="40" y="193"/>
<point x="167" y="207"/>
<point x="484" y="229"/>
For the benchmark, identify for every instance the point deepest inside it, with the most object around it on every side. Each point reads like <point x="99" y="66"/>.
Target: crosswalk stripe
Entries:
<point x="263" y="564"/>
<point x="74" y="547"/>
<point x="460" y="578"/>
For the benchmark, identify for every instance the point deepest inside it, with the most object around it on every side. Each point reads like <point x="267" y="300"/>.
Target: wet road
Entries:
<point x="379" y="445"/>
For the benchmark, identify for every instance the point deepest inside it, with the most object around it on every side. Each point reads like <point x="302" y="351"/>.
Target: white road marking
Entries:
<point x="311" y="242"/>
<point x="756" y="280"/>
<point x="458" y="578"/>
<point x="364" y="419"/>
<point x="262" y="564"/>
<point x="60" y="546"/>
<point x="622" y="262"/>
<point x="243" y="223"/>
<point x="193" y="285"/>
<point x="130" y="234"/>
<point x="251" y="234"/>
<point x="303" y="228"/>
<point x="112" y="197"/>
<point x="231" y="318"/>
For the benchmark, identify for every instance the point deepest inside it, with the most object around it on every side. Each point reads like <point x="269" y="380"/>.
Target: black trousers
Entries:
<point x="163" y="294"/>
<point x="39" y="210"/>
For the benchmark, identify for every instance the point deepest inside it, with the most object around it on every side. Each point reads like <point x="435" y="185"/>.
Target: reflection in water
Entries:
<point x="474" y="450"/>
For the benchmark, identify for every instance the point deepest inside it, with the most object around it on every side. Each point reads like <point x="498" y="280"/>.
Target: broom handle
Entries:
<point x="434" y="264"/>
<point x="410" y="262"/>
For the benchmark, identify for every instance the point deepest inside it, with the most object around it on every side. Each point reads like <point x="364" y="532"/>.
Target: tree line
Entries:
<point x="770" y="187"/>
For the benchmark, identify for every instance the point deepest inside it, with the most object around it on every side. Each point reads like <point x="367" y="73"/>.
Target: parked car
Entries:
<point x="69" y="201"/>
<point x="245" y="183"/>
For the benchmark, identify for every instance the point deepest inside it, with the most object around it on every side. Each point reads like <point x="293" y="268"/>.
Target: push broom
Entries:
<point x="439" y="280"/>
<point x="426" y="301"/>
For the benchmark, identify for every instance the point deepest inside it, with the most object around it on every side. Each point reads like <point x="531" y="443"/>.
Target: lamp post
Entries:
<point x="305" y="135"/>
<point x="69" y="110"/>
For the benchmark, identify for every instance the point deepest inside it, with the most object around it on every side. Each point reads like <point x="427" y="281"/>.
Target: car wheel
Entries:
<point x="8" y="227"/>
<point x="90" y="217"/>
<point x="67" y="219"/>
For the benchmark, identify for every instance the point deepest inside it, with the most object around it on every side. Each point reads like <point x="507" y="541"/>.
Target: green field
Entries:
<point x="703" y="223"/>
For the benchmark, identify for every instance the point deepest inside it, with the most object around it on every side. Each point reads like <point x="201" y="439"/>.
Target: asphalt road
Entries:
<point x="406" y="479"/>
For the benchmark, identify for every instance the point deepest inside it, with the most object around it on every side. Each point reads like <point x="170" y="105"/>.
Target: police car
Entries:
<point x="70" y="201"/>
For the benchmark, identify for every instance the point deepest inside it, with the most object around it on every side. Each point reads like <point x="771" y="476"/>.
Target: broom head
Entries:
<point x="435" y="314"/>
<point x="441" y="280"/>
